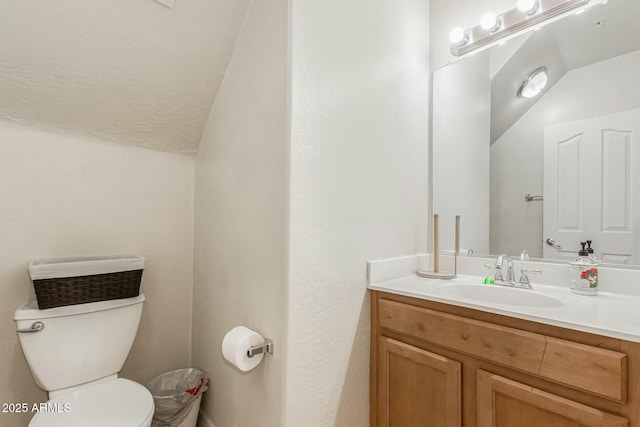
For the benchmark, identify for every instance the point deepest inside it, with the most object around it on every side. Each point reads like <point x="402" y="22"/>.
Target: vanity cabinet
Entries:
<point x="438" y="365"/>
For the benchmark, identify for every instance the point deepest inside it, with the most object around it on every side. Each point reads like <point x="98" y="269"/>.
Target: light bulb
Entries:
<point x="527" y="6"/>
<point x="489" y="21"/>
<point x="456" y="35"/>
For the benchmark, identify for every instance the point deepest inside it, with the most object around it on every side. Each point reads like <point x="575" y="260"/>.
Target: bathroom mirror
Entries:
<point x="544" y="173"/>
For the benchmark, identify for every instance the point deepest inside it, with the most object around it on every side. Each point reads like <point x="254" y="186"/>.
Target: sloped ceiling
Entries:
<point x="131" y="71"/>
<point x="601" y="33"/>
<point x="506" y="107"/>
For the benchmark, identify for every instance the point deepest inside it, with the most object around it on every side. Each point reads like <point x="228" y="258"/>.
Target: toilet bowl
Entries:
<point x="75" y="353"/>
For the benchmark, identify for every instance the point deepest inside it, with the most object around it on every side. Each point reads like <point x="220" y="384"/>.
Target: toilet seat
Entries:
<point x="119" y="402"/>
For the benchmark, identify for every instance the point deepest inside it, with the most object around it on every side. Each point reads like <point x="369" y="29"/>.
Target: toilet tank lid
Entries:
<point x="30" y="311"/>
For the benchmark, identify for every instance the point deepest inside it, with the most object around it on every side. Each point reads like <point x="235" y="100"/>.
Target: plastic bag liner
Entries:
<point x="174" y="393"/>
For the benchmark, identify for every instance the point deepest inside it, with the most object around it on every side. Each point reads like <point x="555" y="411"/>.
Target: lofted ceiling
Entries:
<point x="601" y="33"/>
<point x="132" y="71"/>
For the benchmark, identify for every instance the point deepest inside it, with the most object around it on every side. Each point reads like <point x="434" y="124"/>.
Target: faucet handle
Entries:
<point x="524" y="278"/>
<point x="498" y="268"/>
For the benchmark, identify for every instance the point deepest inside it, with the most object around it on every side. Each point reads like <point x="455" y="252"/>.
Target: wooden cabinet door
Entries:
<point x="416" y="388"/>
<point x="506" y="403"/>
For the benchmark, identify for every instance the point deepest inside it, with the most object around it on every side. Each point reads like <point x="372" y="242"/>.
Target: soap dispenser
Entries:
<point x="590" y="249"/>
<point x="584" y="273"/>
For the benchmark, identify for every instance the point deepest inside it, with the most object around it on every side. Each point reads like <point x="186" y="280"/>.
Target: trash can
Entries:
<point x="177" y="395"/>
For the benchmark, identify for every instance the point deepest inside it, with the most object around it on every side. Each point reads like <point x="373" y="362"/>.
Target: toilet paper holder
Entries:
<point x="267" y="345"/>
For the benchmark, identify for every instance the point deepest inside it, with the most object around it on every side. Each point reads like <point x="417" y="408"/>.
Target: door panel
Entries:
<point x="417" y="388"/>
<point x="616" y="180"/>
<point x="570" y="179"/>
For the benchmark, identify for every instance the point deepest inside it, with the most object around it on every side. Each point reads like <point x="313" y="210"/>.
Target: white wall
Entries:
<point x="517" y="156"/>
<point x="359" y="188"/>
<point x="240" y="222"/>
<point x="461" y="135"/>
<point x="63" y="195"/>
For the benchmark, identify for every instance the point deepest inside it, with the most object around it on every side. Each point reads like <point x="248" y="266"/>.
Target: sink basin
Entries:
<point x="501" y="295"/>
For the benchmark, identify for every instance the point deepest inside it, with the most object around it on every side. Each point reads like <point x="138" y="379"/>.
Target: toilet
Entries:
<point x="75" y="353"/>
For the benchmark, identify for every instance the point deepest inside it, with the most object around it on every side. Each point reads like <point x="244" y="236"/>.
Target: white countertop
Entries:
<point x="608" y="314"/>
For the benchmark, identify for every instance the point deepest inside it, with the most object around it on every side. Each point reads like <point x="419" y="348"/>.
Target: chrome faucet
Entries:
<point x="500" y="266"/>
<point x="509" y="280"/>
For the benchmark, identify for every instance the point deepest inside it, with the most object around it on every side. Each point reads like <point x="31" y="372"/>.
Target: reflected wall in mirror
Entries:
<point x="577" y="143"/>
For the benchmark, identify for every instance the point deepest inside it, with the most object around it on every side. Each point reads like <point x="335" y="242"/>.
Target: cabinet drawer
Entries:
<point x="591" y="369"/>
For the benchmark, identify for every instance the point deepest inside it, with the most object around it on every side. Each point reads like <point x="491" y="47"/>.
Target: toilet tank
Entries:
<point x="79" y="343"/>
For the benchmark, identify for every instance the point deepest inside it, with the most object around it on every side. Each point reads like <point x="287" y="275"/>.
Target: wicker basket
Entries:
<point x="67" y="281"/>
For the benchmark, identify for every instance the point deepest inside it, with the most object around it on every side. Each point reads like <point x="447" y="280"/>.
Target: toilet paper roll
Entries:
<point x="236" y="344"/>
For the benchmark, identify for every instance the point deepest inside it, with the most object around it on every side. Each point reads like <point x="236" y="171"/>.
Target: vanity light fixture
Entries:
<point x="526" y="16"/>
<point x="534" y="83"/>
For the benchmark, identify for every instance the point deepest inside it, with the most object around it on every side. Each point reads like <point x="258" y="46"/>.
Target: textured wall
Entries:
<point x="240" y="222"/>
<point x="64" y="195"/>
<point x="359" y="188"/>
<point x="128" y="71"/>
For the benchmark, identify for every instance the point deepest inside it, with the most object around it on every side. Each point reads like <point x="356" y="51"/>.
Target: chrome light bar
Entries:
<point x="515" y="21"/>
